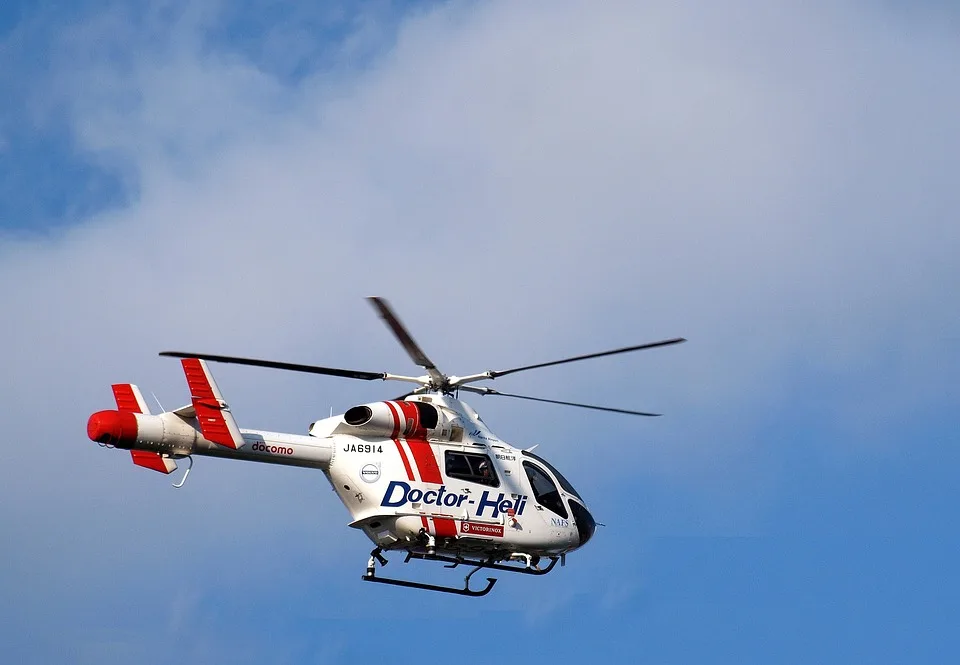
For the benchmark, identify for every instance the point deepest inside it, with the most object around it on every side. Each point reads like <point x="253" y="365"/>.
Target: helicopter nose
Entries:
<point x="586" y="525"/>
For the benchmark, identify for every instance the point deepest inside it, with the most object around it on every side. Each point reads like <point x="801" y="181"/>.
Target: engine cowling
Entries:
<point x="410" y="420"/>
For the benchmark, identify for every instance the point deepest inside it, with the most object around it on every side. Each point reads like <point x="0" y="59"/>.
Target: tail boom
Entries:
<point x="168" y="436"/>
<point x="204" y="427"/>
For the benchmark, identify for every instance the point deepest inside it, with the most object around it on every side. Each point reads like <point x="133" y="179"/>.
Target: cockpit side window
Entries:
<point x="471" y="467"/>
<point x="564" y="483"/>
<point x="544" y="489"/>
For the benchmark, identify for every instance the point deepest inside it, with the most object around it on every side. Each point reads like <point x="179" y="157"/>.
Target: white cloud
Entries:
<point x="523" y="181"/>
<point x="543" y="179"/>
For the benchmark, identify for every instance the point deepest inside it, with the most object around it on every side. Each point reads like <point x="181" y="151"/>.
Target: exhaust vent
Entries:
<point x="358" y="415"/>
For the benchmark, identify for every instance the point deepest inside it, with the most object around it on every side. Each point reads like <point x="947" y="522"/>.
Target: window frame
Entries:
<point x="472" y="477"/>
<point x="565" y="484"/>
<point x="563" y="512"/>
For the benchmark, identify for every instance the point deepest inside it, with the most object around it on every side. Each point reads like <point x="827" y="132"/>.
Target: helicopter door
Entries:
<point x="549" y="503"/>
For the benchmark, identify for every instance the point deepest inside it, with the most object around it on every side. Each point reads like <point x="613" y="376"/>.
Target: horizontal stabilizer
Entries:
<point x="213" y="415"/>
<point x="129" y="399"/>
<point x="187" y="411"/>
<point x="153" y="461"/>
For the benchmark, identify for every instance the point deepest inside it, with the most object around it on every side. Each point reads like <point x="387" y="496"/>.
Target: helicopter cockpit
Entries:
<point x="546" y="493"/>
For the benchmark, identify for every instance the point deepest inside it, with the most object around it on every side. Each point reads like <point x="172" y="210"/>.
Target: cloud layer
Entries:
<point x="523" y="182"/>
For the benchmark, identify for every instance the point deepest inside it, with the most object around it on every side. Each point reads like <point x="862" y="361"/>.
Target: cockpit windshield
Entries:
<point x="544" y="490"/>
<point x="564" y="483"/>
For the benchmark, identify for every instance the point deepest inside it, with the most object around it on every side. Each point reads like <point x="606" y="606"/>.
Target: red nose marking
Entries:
<point x="114" y="427"/>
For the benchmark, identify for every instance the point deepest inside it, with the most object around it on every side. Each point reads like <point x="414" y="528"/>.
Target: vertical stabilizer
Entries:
<point x="213" y="415"/>
<point x="129" y="399"/>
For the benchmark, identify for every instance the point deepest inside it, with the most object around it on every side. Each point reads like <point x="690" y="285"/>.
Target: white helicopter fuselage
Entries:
<point x="423" y="474"/>
<point x="427" y="473"/>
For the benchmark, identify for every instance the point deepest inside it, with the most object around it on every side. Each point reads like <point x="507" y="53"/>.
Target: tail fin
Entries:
<point x="213" y="414"/>
<point x="129" y="399"/>
<point x="154" y="461"/>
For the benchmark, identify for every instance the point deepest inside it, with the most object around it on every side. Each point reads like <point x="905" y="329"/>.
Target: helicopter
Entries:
<point x="421" y="475"/>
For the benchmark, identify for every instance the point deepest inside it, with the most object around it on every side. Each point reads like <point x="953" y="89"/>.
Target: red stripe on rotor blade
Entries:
<point x="396" y="420"/>
<point x="406" y="462"/>
<point x="426" y="462"/>
<point x="126" y="400"/>
<point x="445" y="527"/>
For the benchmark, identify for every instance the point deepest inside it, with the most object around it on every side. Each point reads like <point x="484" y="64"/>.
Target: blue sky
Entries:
<point x="523" y="181"/>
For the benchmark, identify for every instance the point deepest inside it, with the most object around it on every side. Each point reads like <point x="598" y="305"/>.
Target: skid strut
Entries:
<point x="376" y="556"/>
<point x="456" y="561"/>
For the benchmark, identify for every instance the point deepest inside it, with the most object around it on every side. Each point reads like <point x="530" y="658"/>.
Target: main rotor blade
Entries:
<point x="627" y="349"/>
<point x="491" y="391"/>
<point x="406" y="340"/>
<point x="293" y="367"/>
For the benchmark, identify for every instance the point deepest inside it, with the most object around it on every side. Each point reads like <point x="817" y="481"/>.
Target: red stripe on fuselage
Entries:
<point x="411" y="426"/>
<point x="445" y="527"/>
<point x="396" y="420"/>
<point x="426" y="462"/>
<point x="403" y="456"/>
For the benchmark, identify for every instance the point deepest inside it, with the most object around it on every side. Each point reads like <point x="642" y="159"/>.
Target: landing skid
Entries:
<point x="465" y="591"/>
<point x="377" y="557"/>
<point x="370" y="576"/>
<point x="456" y="561"/>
